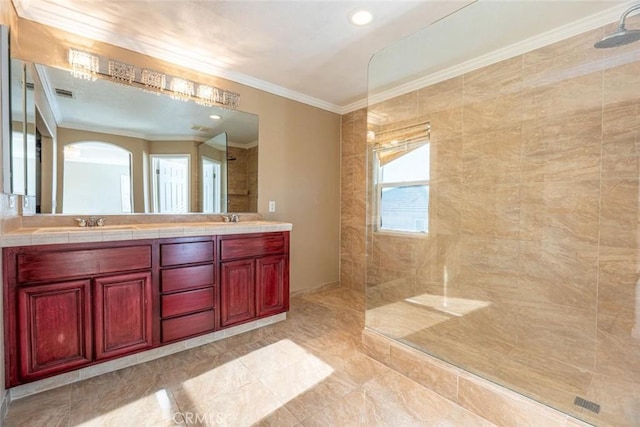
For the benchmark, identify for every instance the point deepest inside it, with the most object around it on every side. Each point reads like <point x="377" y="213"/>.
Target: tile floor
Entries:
<point x="306" y="371"/>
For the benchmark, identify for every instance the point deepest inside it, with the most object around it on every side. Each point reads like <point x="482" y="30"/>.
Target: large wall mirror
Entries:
<point x="89" y="147"/>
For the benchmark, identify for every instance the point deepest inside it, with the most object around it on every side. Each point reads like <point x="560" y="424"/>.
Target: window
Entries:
<point x="402" y="188"/>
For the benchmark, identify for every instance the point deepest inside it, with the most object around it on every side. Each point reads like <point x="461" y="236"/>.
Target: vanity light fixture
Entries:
<point x="153" y="79"/>
<point x="121" y="71"/>
<point x="360" y="17"/>
<point x="208" y="95"/>
<point x="182" y="89"/>
<point x="231" y="100"/>
<point x="87" y="66"/>
<point x="83" y="65"/>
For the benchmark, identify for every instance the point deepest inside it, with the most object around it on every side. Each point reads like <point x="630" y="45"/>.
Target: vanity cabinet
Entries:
<point x="254" y="279"/>
<point x="271" y="276"/>
<point x="122" y="314"/>
<point x="238" y="289"/>
<point x="68" y="306"/>
<point x="188" y="294"/>
<point x="53" y="327"/>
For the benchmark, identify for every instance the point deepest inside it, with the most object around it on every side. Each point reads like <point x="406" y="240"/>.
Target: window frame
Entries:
<point x="379" y="186"/>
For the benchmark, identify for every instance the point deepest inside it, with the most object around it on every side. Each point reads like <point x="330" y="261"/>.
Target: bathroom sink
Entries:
<point x="84" y="229"/>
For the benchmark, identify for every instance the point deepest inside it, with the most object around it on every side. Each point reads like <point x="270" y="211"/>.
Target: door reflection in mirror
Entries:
<point x="210" y="185"/>
<point x="213" y="174"/>
<point x="170" y="183"/>
<point x="97" y="179"/>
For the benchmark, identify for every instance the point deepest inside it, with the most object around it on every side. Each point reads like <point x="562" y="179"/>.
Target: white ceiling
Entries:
<point x="305" y="49"/>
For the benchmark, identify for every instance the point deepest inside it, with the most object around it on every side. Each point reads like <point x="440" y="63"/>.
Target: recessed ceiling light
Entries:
<point x="215" y="117"/>
<point x="360" y="17"/>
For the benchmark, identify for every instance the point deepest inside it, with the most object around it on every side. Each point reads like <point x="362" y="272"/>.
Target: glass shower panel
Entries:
<point x="528" y="274"/>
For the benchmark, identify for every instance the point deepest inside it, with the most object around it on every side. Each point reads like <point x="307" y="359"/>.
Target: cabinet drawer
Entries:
<point x="186" y="253"/>
<point x="179" y="279"/>
<point x="38" y="266"/>
<point x="243" y="247"/>
<point x="187" y="302"/>
<point x="184" y="326"/>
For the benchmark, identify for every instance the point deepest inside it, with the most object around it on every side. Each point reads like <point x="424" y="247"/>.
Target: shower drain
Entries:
<point x="587" y="404"/>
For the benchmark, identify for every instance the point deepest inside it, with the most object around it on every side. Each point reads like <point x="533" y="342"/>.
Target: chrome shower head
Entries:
<point x="621" y="36"/>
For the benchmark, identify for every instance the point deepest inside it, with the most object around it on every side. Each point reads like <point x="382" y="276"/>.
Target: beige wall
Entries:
<point x="48" y="189"/>
<point x="299" y="156"/>
<point x="353" y="200"/>
<point x="529" y="273"/>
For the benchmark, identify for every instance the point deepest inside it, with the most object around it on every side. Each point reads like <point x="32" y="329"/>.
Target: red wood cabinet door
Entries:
<point x="237" y="291"/>
<point x="122" y="314"/>
<point x="270" y="285"/>
<point x="54" y="328"/>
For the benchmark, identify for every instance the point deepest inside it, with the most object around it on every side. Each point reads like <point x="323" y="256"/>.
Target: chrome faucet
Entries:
<point x="92" y="221"/>
<point x="231" y="218"/>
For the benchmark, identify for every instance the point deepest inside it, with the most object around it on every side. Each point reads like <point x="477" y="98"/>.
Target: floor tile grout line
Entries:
<point x="283" y="405"/>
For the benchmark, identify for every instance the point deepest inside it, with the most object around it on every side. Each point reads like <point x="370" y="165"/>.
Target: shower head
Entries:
<point x="621" y="36"/>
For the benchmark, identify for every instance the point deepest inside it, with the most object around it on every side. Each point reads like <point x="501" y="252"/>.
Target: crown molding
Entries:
<point x="72" y="21"/>
<point x="349" y="108"/>
<point x="580" y="26"/>
<point x="129" y="134"/>
<point x="241" y="145"/>
<point x="90" y="27"/>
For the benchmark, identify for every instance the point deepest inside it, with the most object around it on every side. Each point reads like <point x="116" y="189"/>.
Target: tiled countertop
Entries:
<point x="54" y="235"/>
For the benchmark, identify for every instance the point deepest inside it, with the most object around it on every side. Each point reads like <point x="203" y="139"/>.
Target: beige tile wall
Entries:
<point x="252" y="179"/>
<point x="237" y="180"/>
<point x="242" y="179"/>
<point x="353" y="200"/>
<point x="529" y="273"/>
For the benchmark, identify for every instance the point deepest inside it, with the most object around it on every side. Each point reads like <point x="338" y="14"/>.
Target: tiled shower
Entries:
<point x="528" y="275"/>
